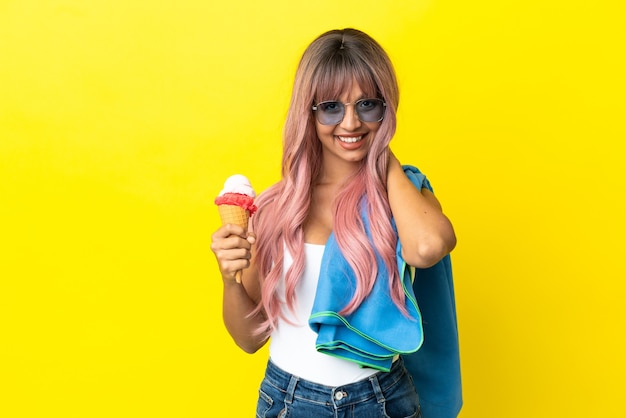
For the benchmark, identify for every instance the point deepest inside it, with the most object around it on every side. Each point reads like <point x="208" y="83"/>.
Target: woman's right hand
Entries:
<point x="231" y="245"/>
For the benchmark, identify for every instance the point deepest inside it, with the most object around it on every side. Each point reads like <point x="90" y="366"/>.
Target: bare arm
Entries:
<point x="232" y="247"/>
<point x="425" y="232"/>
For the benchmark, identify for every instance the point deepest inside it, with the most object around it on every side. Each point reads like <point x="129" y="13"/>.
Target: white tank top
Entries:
<point x="292" y="346"/>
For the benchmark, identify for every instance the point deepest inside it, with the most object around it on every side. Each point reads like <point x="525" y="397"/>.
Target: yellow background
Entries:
<point x="120" y="119"/>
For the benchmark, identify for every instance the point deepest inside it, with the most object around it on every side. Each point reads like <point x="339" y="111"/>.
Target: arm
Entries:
<point x="425" y="232"/>
<point x="232" y="247"/>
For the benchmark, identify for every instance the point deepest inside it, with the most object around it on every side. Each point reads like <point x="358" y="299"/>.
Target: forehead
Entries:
<point x="342" y="84"/>
<point x="352" y="93"/>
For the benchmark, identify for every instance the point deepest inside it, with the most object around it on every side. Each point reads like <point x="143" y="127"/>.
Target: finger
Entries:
<point x="231" y="242"/>
<point x="229" y="254"/>
<point x="230" y="229"/>
<point x="229" y="269"/>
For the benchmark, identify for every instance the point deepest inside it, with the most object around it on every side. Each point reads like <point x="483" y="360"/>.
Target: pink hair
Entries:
<point x="327" y="68"/>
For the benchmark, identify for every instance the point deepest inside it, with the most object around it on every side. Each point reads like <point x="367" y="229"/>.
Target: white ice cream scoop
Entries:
<point x="238" y="183"/>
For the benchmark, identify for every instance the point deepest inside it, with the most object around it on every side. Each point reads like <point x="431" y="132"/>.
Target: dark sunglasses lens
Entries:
<point x="330" y="113"/>
<point x="370" y="110"/>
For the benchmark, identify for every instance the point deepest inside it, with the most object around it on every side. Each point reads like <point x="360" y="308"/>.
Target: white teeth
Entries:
<point x="350" y="140"/>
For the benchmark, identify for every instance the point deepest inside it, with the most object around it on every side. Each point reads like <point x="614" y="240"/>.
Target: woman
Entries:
<point x="344" y="199"/>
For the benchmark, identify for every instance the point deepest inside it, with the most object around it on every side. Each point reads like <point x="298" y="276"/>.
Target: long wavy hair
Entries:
<point x="326" y="70"/>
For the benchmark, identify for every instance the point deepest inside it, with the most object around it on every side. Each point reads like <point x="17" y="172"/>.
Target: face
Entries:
<point x="350" y="140"/>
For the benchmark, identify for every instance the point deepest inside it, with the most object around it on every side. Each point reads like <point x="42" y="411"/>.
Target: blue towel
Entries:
<point x="377" y="331"/>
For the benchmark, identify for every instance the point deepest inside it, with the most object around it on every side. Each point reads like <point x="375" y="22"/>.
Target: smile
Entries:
<point x="350" y="139"/>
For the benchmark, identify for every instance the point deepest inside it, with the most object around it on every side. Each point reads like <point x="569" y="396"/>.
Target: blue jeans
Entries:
<point x="385" y="394"/>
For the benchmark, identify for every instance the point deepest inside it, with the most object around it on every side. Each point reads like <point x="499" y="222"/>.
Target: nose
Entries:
<point x="351" y="119"/>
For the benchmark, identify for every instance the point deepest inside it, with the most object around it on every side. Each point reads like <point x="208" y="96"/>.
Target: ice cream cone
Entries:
<point x="235" y="204"/>
<point x="236" y="215"/>
<point x="232" y="214"/>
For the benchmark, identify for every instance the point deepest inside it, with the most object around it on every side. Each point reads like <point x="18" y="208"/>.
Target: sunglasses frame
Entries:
<point x="316" y="107"/>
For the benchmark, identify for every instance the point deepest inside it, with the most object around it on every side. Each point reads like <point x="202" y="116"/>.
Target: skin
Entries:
<point x="425" y="232"/>
<point x="232" y="246"/>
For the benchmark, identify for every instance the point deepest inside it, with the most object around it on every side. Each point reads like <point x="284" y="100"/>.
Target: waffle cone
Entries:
<point x="232" y="214"/>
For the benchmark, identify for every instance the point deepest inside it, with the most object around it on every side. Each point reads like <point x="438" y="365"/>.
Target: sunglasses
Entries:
<point x="332" y="112"/>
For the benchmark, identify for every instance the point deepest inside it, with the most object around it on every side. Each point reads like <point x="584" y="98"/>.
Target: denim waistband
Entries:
<point x="352" y="393"/>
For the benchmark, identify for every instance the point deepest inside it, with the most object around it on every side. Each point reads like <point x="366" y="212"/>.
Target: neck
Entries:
<point x="337" y="172"/>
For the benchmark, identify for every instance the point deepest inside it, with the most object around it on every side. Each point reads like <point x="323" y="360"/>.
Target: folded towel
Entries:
<point x="377" y="331"/>
<point x="436" y="367"/>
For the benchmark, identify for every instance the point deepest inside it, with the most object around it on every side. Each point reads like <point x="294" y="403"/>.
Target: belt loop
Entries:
<point x="291" y="388"/>
<point x="377" y="390"/>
